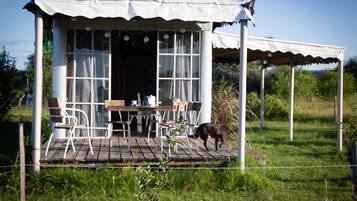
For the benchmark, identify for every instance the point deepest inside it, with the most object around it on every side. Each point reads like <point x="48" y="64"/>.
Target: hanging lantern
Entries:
<point x="107" y="34"/>
<point x="166" y="36"/>
<point x="88" y="28"/>
<point x="146" y="39"/>
<point x="126" y="38"/>
<point x="182" y="30"/>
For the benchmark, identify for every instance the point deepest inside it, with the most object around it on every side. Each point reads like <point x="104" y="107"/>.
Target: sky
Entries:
<point x="327" y="22"/>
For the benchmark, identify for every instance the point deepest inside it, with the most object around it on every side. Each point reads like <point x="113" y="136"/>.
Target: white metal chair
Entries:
<point x="62" y="120"/>
<point x="170" y="125"/>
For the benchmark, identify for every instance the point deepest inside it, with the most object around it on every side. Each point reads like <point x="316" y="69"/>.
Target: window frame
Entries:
<point x="93" y="104"/>
<point x="175" y="55"/>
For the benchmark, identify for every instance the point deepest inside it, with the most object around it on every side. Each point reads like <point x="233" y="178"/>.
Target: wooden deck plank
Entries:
<point x="71" y="156"/>
<point x="115" y="155"/>
<point x="223" y="151"/>
<point x="194" y="155"/>
<point x="96" y="148"/>
<point x="123" y="147"/>
<point x="202" y="150"/>
<point x="165" y="152"/>
<point x="58" y="155"/>
<point x="118" y="155"/>
<point x="148" y="155"/>
<point x="154" y="147"/>
<point x="83" y="151"/>
<point x="135" y="151"/>
<point x="103" y="155"/>
<point x="55" y="145"/>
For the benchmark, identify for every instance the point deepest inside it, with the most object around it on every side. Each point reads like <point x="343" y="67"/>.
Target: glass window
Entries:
<point x="195" y="66"/>
<point x="166" y="66"/>
<point x="83" y="91"/>
<point x="179" y="72"/>
<point x="70" y="67"/>
<point x="70" y="40"/>
<point x="100" y="91"/>
<point x="88" y="76"/>
<point x="101" y="65"/>
<point x="101" y="116"/>
<point x="101" y="41"/>
<point x="83" y="41"/>
<point x="70" y="86"/>
<point x="166" y="42"/>
<point x="195" y="90"/>
<point x="196" y="43"/>
<point x="183" y="43"/>
<point x="183" y="66"/>
<point x="83" y="65"/>
<point x="166" y="90"/>
<point x="182" y="89"/>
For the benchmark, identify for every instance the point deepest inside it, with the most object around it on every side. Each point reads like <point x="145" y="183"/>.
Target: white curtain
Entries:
<point x="183" y="65"/>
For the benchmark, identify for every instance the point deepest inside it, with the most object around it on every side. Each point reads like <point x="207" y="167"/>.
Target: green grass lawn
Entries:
<point x="309" y="168"/>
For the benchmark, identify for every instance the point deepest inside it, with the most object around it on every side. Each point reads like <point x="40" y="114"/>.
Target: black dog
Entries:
<point x="216" y="131"/>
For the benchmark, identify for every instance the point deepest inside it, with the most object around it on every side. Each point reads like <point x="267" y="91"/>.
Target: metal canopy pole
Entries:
<point x="291" y="113"/>
<point x="242" y="92"/>
<point x="340" y="105"/>
<point x="262" y="87"/>
<point x="37" y="96"/>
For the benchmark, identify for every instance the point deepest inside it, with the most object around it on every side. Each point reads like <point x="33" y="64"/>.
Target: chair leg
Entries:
<point x="149" y="130"/>
<point x="89" y="142"/>
<point x="129" y="138"/>
<point x="161" y="141"/>
<point x="74" y="149"/>
<point x="67" y="144"/>
<point x="48" y="144"/>
<point x="188" y="141"/>
<point x="123" y="126"/>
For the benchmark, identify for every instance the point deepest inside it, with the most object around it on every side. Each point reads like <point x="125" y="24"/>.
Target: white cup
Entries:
<point x="134" y="103"/>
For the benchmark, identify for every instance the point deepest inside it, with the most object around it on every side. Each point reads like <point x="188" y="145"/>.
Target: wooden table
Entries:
<point x="138" y="109"/>
<point x="160" y="108"/>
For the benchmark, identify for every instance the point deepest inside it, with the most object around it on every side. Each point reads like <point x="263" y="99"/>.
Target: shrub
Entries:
<point x="328" y="84"/>
<point x="275" y="108"/>
<point x="279" y="83"/>
<point x="225" y="104"/>
<point x="10" y="82"/>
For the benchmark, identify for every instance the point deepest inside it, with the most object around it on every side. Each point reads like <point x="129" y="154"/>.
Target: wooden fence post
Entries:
<point x="354" y="171"/>
<point x="22" y="162"/>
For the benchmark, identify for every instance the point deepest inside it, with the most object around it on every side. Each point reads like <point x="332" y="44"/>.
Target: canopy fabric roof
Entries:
<point x="185" y="10"/>
<point x="278" y="52"/>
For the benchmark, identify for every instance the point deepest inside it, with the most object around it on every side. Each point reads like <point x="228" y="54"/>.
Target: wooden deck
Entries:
<point x="142" y="152"/>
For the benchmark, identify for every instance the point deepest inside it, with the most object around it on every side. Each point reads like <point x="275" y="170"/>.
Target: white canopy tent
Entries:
<point x="279" y="52"/>
<point x="206" y="11"/>
<point x="185" y="10"/>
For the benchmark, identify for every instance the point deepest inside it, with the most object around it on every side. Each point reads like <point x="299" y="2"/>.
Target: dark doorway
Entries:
<point x="133" y="64"/>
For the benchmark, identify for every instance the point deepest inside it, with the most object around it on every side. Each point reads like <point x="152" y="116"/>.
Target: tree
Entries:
<point x="328" y="84"/>
<point x="10" y="82"/>
<point x="47" y="72"/>
<point x="351" y="67"/>
<point x="279" y="83"/>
